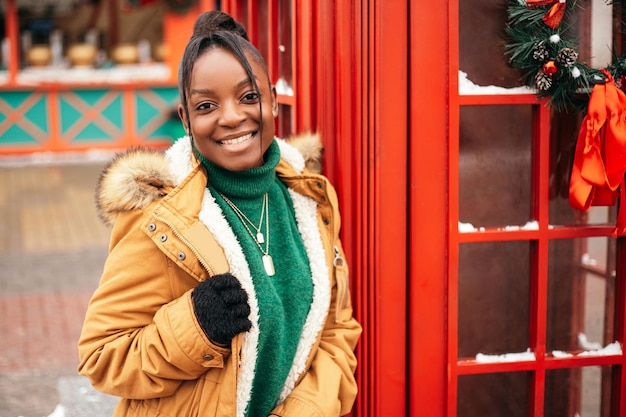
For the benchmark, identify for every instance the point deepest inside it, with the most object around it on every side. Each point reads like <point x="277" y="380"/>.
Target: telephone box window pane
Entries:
<point x="564" y="129"/>
<point x="284" y="47"/>
<point x="580" y="294"/>
<point x="578" y="391"/>
<point x="481" y="54"/>
<point x="501" y="394"/>
<point x="493" y="298"/>
<point x="284" y="120"/>
<point x="495" y="146"/>
<point x="262" y="42"/>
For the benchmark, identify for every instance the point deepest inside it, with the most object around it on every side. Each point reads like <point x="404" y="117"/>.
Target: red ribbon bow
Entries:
<point x="554" y="15"/>
<point x="600" y="157"/>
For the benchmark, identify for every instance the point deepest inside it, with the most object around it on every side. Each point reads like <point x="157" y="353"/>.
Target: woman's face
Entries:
<point x="224" y="110"/>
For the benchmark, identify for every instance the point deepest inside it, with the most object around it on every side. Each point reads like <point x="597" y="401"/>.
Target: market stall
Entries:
<point x="78" y="75"/>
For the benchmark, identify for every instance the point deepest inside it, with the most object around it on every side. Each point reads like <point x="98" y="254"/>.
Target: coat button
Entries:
<point x="326" y="221"/>
<point x="207" y="357"/>
<point x="152" y="227"/>
<point x="181" y="256"/>
<point x="319" y="185"/>
<point x="163" y="238"/>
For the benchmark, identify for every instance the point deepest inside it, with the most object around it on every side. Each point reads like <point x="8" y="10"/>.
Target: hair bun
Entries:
<point x="209" y="22"/>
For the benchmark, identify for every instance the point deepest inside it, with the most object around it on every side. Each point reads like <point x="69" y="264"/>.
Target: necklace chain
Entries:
<point x="244" y="219"/>
<point x="268" y="263"/>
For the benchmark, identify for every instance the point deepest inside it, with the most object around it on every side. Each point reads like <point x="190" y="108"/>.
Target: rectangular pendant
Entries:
<point x="268" y="263"/>
<point x="259" y="238"/>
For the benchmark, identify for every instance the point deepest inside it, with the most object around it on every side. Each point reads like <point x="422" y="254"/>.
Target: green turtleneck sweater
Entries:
<point x="285" y="298"/>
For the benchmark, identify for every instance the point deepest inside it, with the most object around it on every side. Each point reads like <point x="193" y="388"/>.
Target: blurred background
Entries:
<point x="79" y="81"/>
<point x="52" y="248"/>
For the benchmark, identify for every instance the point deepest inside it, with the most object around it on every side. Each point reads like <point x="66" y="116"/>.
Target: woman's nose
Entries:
<point x="232" y="114"/>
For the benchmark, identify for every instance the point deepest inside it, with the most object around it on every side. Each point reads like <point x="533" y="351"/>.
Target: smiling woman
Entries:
<point x="231" y="123"/>
<point x="243" y="307"/>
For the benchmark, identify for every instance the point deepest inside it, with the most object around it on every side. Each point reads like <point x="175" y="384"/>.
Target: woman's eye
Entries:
<point x="251" y="97"/>
<point x="205" y="106"/>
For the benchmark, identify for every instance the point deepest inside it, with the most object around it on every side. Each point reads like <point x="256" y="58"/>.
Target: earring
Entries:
<point x="275" y="112"/>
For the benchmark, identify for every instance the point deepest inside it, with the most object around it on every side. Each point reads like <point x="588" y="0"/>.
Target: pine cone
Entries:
<point x="543" y="81"/>
<point x="540" y="53"/>
<point x="567" y="57"/>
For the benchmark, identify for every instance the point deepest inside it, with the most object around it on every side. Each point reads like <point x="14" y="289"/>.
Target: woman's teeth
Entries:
<point x="236" y="141"/>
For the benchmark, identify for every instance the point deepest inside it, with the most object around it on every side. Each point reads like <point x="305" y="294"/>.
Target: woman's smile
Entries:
<point x="237" y="140"/>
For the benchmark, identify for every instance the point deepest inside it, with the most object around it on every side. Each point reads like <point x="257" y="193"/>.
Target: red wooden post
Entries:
<point x="177" y="29"/>
<point x="367" y="91"/>
<point x="13" y="39"/>
<point x="429" y="121"/>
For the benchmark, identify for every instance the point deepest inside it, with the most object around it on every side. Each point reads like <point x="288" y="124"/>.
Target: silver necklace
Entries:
<point x="268" y="262"/>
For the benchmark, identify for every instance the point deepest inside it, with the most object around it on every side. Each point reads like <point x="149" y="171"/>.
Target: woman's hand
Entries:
<point x="221" y="306"/>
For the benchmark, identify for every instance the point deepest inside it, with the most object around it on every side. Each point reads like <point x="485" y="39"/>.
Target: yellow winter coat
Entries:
<point x="141" y="340"/>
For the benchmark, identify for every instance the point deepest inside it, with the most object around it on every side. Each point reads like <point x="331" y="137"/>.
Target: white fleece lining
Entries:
<point x="291" y="155"/>
<point x="179" y="156"/>
<point x="212" y="216"/>
<point x="306" y="209"/>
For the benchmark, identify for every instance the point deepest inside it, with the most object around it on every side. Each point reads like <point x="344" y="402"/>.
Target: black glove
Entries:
<point x="222" y="309"/>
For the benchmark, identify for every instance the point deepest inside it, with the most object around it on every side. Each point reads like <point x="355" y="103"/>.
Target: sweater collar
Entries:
<point x="250" y="183"/>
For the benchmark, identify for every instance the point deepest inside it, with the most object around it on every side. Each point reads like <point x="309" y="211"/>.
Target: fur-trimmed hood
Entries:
<point x="136" y="177"/>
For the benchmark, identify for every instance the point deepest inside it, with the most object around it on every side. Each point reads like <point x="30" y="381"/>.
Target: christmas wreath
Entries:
<point x="540" y="46"/>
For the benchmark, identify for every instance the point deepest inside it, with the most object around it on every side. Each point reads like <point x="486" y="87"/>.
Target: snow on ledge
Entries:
<point x="585" y="344"/>
<point x="593" y="349"/>
<point x="561" y="355"/>
<point x="586" y="259"/>
<point x="467" y="87"/>
<point x="507" y="357"/>
<point x="468" y="227"/>
<point x="609" y="350"/>
<point x="531" y="225"/>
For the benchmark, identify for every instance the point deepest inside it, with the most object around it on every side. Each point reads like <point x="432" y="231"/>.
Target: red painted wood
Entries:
<point x="12" y="33"/>
<point x="302" y="34"/>
<point x="618" y="396"/>
<point x="362" y="115"/>
<point x="55" y="143"/>
<point x="177" y="29"/>
<point x="449" y="257"/>
<point x="390" y="145"/>
<point x="539" y="255"/>
<point x="428" y="245"/>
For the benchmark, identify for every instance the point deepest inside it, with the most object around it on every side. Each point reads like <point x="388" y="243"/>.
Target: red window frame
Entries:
<point x="539" y="238"/>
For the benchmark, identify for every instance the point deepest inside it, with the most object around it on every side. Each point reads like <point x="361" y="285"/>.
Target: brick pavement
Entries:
<point x="52" y="248"/>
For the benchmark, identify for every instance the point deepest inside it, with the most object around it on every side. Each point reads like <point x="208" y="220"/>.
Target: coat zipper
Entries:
<point x="187" y="243"/>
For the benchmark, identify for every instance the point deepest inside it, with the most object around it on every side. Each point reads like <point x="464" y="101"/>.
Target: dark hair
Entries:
<point x="215" y="20"/>
<point x="216" y="29"/>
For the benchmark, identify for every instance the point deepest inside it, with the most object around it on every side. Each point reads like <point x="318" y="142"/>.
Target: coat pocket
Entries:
<point x="191" y="397"/>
